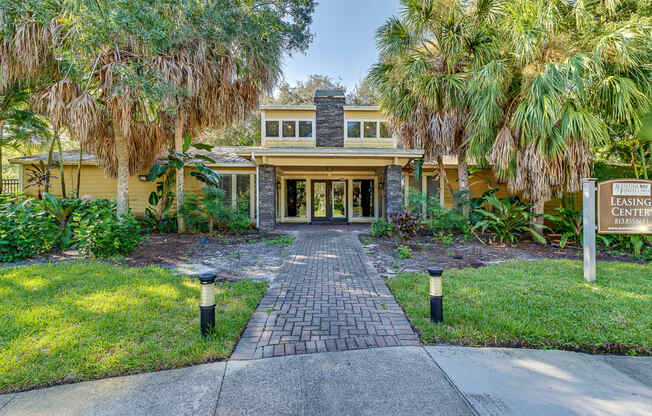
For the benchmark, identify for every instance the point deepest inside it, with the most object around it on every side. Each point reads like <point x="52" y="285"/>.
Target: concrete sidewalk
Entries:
<point x="383" y="381"/>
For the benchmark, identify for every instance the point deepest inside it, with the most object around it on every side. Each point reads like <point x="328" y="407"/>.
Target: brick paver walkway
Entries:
<point x="327" y="298"/>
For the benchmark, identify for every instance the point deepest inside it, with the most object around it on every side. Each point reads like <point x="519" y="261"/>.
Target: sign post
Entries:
<point x="588" y="209"/>
<point x="624" y="207"/>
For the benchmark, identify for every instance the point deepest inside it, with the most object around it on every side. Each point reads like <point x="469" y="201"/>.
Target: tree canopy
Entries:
<point x="539" y="83"/>
<point x="124" y="75"/>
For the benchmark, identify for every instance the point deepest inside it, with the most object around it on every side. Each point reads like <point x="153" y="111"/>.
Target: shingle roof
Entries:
<point x="219" y="155"/>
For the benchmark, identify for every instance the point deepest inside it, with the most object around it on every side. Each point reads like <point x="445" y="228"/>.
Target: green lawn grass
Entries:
<point x="542" y="304"/>
<point x="82" y="321"/>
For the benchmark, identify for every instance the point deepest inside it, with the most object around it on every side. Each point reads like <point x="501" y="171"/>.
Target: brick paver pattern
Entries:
<point x="327" y="298"/>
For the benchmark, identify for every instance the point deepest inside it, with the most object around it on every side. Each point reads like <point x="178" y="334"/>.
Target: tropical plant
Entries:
<point x="61" y="210"/>
<point x="381" y="228"/>
<point x="405" y="225"/>
<point x="404" y="252"/>
<point x="127" y="78"/>
<point x="17" y="123"/>
<point x="425" y="57"/>
<point x="636" y="245"/>
<point x="221" y="212"/>
<point x="562" y="75"/>
<point x="26" y="229"/>
<point x="447" y="220"/>
<point x="99" y="232"/>
<point x="38" y="176"/>
<point x="568" y="223"/>
<point x="508" y="220"/>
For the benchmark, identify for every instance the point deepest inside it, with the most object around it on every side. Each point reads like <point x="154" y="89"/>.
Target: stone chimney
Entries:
<point x="330" y="118"/>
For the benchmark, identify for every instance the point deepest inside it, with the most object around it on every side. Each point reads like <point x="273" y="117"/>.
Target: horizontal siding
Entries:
<point x="289" y="114"/>
<point x="289" y="142"/>
<point x="481" y="182"/>
<point x="370" y="143"/>
<point x="363" y="115"/>
<point x="96" y="185"/>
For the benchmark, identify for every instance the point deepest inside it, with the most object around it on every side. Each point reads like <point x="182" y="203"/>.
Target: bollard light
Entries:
<point x="207" y="303"/>
<point x="436" y="305"/>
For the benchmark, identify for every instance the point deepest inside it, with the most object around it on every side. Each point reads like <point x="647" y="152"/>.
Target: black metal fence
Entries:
<point x="10" y="186"/>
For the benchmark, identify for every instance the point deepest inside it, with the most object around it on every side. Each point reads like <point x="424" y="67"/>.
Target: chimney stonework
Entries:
<point x="330" y="118"/>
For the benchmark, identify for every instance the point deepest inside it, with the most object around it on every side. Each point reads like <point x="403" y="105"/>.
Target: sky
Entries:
<point x="344" y="46"/>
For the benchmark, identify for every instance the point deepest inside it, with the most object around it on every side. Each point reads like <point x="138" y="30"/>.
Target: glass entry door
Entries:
<point x="329" y="200"/>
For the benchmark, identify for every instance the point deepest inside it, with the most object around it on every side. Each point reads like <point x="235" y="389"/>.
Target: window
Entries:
<point x="242" y="193"/>
<point x="289" y="129"/>
<point x="363" y="198"/>
<point x="353" y="129"/>
<point x="370" y="129"/>
<point x="295" y="197"/>
<point x="384" y="130"/>
<point x="271" y="129"/>
<point x="305" y="128"/>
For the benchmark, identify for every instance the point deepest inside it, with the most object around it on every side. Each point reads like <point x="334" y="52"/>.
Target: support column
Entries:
<point x="392" y="190"/>
<point x="267" y="198"/>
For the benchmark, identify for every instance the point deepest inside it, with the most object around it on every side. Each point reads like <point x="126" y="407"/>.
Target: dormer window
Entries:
<point x="289" y="129"/>
<point x="368" y="129"/>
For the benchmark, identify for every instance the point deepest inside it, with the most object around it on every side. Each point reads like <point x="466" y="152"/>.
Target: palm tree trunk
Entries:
<point x="643" y="160"/>
<point x="122" y="151"/>
<point x="442" y="181"/>
<point x="61" y="169"/>
<point x="47" y="167"/>
<point x="537" y="208"/>
<point x="631" y="152"/>
<point x="463" y="180"/>
<point x="2" y="137"/>
<point x="79" y="165"/>
<point x="178" y="146"/>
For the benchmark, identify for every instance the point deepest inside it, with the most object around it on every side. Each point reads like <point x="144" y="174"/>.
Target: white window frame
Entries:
<point x="296" y="129"/>
<point x="346" y="129"/>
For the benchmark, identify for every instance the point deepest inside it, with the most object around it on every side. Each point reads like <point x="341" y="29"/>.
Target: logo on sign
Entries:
<point x="631" y="189"/>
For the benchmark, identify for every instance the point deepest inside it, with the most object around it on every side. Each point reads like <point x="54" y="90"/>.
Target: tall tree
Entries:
<point x="363" y="93"/>
<point x="134" y="77"/>
<point x="425" y="58"/>
<point x="567" y="75"/>
<point x="17" y="123"/>
<point x="303" y="92"/>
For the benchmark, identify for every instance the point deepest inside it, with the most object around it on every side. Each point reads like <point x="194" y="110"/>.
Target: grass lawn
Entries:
<point x="543" y="304"/>
<point x="81" y="321"/>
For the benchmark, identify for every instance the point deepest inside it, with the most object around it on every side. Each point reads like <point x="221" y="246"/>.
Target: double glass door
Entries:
<point x="329" y="200"/>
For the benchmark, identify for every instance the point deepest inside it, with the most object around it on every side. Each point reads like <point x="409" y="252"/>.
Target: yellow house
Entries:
<point x="327" y="162"/>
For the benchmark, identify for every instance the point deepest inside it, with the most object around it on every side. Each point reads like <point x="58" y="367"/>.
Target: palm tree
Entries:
<point x="129" y="82"/>
<point x="564" y="73"/>
<point x="17" y="124"/>
<point x="425" y="58"/>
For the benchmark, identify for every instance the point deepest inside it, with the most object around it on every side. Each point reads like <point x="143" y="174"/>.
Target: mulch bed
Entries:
<point x="383" y="253"/>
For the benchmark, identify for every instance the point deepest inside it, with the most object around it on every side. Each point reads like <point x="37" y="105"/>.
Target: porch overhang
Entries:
<point x="335" y="157"/>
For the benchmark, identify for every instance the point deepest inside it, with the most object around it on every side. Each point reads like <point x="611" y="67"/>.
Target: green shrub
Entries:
<point x="97" y="231"/>
<point x="508" y="220"/>
<point x="381" y="228"/>
<point x="405" y="225"/>
<point x="223" y="215"/>
<point x="634" y="245"/>
<point x="568" y="223"/>
<point x="447" y="220"/>
<point x="26" y="229"/>
<point x="404" y="252"/>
